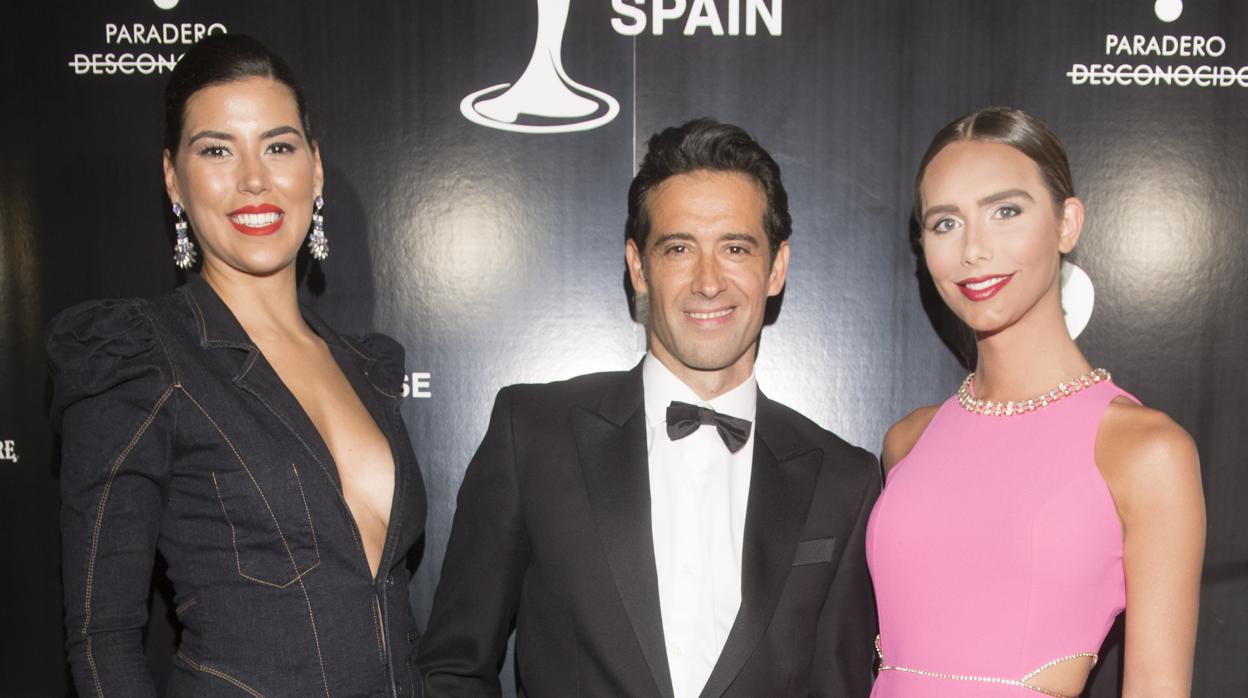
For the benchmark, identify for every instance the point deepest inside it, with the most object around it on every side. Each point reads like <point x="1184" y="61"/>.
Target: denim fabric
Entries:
<point x="180" y="438"/>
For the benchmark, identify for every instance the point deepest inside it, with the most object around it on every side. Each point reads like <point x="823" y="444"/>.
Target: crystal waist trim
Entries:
<point x="1021" y="683"/>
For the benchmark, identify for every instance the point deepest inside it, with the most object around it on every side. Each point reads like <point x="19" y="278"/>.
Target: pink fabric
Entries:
<point x="995" y="548"/>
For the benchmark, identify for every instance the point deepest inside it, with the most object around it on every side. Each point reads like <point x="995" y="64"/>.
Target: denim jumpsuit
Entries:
<point x="180" y="438"/>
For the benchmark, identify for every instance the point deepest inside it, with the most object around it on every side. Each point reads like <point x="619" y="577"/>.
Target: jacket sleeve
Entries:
<point x="474" y="608"/>
<point x="847" y="624"/>
<point x="387" y="375"/>
<point x="111" y="401"/>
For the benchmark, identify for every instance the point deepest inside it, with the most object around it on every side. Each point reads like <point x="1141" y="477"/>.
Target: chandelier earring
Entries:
<point x="317" y="244"/>
<point x="183" y="248"/>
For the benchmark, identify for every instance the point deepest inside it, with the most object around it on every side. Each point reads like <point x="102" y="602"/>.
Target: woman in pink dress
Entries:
<point x="1023" y="514"/>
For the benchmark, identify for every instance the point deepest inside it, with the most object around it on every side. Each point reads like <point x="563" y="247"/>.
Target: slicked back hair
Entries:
<point x="1013" y="127"/>
<point x="223" y="58"/>
<point x="706" y="144"/>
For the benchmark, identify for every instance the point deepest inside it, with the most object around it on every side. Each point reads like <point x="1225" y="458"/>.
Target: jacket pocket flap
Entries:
<point x="813" y="552"/>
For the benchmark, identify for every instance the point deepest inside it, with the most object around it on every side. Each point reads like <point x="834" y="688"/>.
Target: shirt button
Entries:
<point x="389" y="580"/>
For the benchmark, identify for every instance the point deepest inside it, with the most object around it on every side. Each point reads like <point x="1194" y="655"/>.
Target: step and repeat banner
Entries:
<point x="477" y="157"/>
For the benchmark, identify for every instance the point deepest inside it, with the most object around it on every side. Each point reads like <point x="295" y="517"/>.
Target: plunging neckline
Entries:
<point x="306" y="431"/>
<point x="366" y="505"/>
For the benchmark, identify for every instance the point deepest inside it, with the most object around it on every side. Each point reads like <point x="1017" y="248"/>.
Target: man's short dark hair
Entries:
<point x="706" y="144"/>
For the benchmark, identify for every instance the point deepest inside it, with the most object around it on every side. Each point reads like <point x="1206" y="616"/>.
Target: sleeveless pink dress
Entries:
<point x="995" y="550"/>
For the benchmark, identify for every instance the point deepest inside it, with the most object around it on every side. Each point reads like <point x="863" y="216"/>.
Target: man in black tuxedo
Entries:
<point x="666" y="531"/>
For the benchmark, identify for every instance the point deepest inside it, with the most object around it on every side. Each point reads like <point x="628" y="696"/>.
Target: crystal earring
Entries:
<point x="317" y="243"/>
<point x="183" y="248"/>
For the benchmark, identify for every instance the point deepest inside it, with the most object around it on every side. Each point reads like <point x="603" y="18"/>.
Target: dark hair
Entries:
<point x="1015" y="128"/>
<point x="706" y="144"/>
<point x="224" y="58"/>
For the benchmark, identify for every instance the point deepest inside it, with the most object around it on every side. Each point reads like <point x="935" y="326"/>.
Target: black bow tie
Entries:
<point x="683" y="419"/>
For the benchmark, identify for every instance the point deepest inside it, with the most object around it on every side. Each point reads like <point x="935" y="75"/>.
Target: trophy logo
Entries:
<point x="544" y="99"/>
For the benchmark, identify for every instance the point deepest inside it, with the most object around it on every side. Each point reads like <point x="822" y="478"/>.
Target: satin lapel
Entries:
<point x="611" y="446"/>
<point x="782" y="481"/>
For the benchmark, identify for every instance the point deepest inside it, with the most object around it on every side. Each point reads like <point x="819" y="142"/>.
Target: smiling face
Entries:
<point x="706" y="274"/>
<point x="246" y="175"/>
<point x="992" y="234"/>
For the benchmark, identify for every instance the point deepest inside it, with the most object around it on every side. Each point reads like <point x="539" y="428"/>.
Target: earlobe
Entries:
<point x="779" y="270"/>
<point x="1072" y="224"/>
<point x="317" y="168"/>
<point x="171" y="180"/>
<point x="636" y="267"/>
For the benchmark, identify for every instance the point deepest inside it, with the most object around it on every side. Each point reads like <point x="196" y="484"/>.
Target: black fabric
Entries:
<point x="683" y="419"/>
<point x="552" y="534"/>
<point x="180" y="438"/>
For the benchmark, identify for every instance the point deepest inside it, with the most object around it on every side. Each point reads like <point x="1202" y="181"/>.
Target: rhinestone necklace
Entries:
<point x="972" y="404"/>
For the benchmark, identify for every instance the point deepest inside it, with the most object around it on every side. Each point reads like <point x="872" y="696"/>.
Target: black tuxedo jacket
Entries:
<point x="552" y="533"/>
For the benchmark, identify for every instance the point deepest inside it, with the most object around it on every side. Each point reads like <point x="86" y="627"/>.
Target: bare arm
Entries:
<point x="1153" y="472"/>
<point x="903" y="435"/>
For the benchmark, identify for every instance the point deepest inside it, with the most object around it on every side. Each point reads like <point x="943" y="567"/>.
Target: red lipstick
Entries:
<point x="981" y="288"/>
<point x="257" y="219"/>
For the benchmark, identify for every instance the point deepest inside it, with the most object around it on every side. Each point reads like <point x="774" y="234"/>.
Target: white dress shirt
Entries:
<point x="698" y="496"/>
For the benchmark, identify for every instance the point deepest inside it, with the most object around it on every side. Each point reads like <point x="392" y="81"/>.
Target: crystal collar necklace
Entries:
<point x="967" y="399"/>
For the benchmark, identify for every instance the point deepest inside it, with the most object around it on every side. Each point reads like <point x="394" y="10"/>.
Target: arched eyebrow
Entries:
<point x="1003" y="195"/>
<point x="223" y="136"/>
<point x="990" y="199"/>
<point x="943" y="208"/>
<point x="281" y="131"/>
<point x="218" y="135"/>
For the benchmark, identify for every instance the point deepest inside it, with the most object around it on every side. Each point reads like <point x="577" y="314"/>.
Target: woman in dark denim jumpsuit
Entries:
<point x="180" y="437"/>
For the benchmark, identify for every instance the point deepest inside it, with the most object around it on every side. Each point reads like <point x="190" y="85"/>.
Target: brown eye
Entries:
<point x="214" y="151"/>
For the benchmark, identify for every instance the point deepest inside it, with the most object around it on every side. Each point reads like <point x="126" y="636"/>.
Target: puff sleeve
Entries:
<point x="387" y="374"/>
<point x="112" y="388"/>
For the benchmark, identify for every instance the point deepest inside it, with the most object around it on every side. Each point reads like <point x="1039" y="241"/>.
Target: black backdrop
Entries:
<point x="496" y="256"/>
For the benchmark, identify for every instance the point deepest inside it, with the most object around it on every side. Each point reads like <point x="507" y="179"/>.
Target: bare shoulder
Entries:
<point x="1146" y="458"/>
<point x="903" y="435"/>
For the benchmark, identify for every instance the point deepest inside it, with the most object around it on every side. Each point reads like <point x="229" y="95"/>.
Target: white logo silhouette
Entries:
<point x="166" y="4"/>
<point x="544" y="90"/>
<point x="1168" y="10"/>
<point x="1077" y="298"/>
